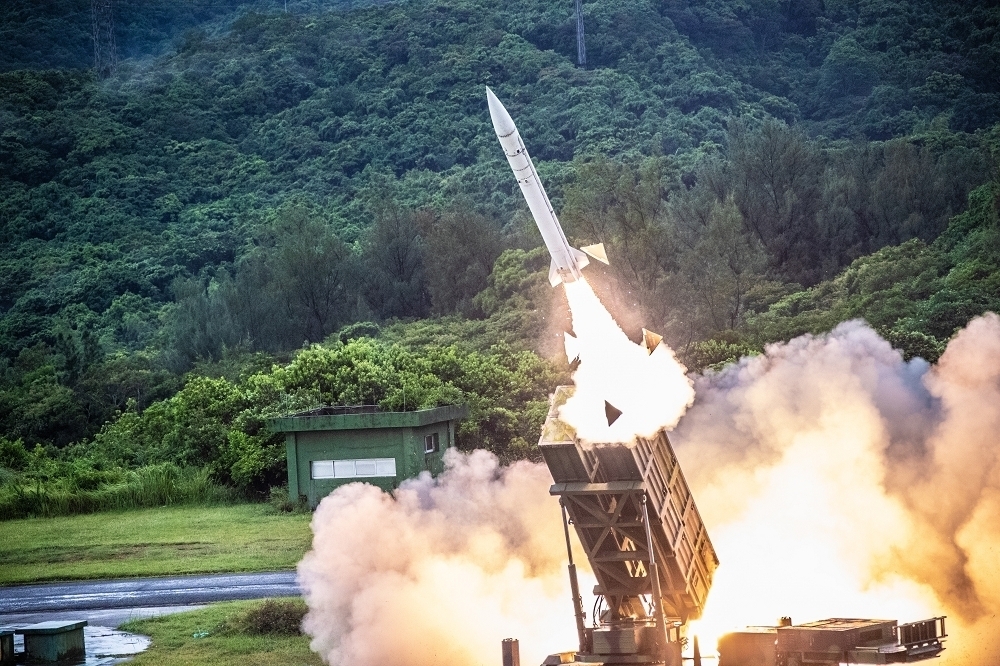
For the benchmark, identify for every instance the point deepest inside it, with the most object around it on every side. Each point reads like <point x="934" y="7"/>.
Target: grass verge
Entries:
<point x="79" y="489"/>
<point x="225" y="636"/>
<point x="152" y="542"/>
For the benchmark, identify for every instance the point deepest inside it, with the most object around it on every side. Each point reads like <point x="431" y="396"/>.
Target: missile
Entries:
<point x="567" y="261"/>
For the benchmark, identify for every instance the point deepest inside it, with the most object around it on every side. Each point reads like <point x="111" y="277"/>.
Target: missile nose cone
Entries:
<point x="502" y="123"/>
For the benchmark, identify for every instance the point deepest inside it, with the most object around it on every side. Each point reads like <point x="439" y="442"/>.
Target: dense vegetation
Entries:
<point x="218" y="426"/>
<point x="254" y="182"/>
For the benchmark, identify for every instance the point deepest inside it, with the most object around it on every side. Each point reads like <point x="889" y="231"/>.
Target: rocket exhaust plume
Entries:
<point x="644" y="383"/>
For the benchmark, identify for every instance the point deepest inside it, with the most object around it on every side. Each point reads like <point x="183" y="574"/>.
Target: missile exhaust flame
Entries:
<point x="647" y="385"/>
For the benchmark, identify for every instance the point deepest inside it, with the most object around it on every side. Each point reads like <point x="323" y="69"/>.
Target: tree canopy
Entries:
<point x="258" y="192"/>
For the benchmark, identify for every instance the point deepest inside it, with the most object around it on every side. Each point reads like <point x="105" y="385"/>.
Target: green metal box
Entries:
<point x="53" y="641"/>
<point x="6" y="647"/>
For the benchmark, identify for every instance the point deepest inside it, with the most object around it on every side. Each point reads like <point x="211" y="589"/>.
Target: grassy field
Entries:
<point x="174" y="642"/>
<point x="152" y="542"/>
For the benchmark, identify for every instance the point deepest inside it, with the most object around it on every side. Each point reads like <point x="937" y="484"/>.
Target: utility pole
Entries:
<point x="581" y="47"/>
<point x="105" y="50"/>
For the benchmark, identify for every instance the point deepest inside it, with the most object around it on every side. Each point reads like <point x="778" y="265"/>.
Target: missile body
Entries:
<point x="567" y="261"/>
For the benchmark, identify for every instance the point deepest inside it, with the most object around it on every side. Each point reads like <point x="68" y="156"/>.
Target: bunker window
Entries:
<point x="353" y="469"/>
<point x="431" y="443"/>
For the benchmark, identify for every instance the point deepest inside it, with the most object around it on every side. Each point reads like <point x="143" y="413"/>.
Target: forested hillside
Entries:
<point x="57" y="34"/>
<point x="253" y="179"/>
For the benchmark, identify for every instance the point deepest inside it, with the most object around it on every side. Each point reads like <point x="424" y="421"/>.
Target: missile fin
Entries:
<point x="572" y="347"/>
<point x="554" y="277"/>
<point x="597" y="252"/>
<point x="650" y="340"/>
<point x="582" y="260"/>
<point x="611" y="412"/>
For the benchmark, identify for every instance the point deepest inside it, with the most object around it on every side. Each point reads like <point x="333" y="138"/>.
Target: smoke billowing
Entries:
<point x="443" y="572"/>
<point x="835" y="479"/>
<point x="838" y="480"/>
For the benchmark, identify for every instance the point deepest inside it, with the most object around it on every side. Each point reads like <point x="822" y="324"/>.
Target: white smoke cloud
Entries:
<point x="835" y="479"/>
<point x="442" y="573"/>
<point x="838" y="480"/>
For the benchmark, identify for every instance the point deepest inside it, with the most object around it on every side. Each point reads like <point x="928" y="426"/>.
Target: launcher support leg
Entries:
<point x="574" y="586"/>
<point x="655" y="576"/>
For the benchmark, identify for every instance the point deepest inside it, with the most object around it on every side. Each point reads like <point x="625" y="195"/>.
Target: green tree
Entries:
<point x="314" y="273"/>
<point x="396" y="281"/>
<point x="725" y="264"/>
<point x="776" y="186"/>
<point x="460" y="250"/>
<point x="848" y="69"/>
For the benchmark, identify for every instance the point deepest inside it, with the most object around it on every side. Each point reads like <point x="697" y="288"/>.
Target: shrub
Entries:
<point x="274" y="617"/>
<point x="279" y="499"/>
<point x="13" y="455"/>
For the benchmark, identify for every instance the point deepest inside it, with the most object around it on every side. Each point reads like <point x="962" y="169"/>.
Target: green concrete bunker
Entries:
<point x="328" y="447"/>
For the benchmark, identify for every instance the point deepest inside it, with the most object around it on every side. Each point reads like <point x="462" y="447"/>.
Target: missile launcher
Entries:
<point x="647" y="545"/>
<point x="636" y="518"/>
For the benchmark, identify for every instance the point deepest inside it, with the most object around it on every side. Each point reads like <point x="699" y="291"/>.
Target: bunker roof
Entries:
<point x="362" y="417"/>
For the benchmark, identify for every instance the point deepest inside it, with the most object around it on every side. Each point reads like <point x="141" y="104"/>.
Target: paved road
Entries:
<point x="110" y="602"/>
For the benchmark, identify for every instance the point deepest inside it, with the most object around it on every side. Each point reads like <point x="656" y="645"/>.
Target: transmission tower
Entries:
<point x="581" y="47"/>
<point x="105" y="50"/>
